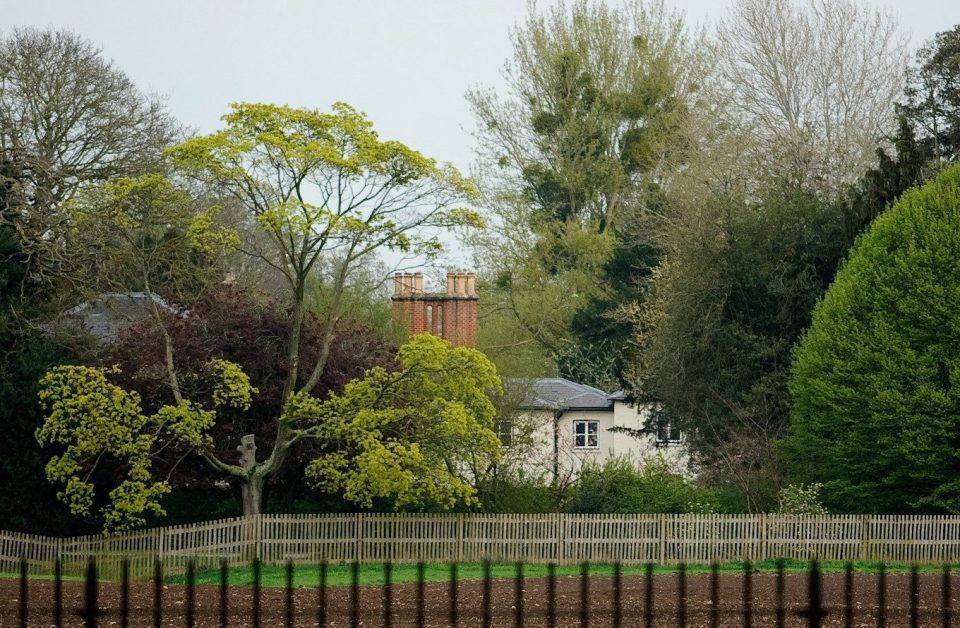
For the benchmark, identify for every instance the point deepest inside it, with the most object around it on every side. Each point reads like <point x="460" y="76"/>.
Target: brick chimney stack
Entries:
<point x="452" y="315"/>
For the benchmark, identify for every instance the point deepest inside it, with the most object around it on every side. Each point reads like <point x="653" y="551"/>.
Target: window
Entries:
<point x="586" y="434"/>
<point x="668" y="434"/>
<point x="505" y="432"/>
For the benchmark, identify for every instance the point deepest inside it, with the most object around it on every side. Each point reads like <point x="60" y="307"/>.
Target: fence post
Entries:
<point x="358" y="548"/>
<point x="561" y="538"/>
<point x="460" y="537"/>
<point x="161" y="544"/>
<point x="763" y="538"/>
<point x="258" y="531"/>
<point x="663" y="539"/>
<point x="863" y="552"/>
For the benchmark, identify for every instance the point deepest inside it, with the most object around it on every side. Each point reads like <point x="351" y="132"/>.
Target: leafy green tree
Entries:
<point x="413" y="434"/>
<point x="326" y="194"/>
<point x="145" y="234"/>
<point x="250" y="330"/>
<point x="69" y="120"/>
<point x="594" y="118"/>
<point x="746" y="265"/>
<point x="28" y="502"/>
<point x="875" y="400"/>
<point x="403" y="435"/>
<point x="714" y="340"/>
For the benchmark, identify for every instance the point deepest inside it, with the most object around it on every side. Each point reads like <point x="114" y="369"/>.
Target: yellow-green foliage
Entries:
<point x="232" y="386"/>
<point x="147" y="234"/>
<point x="207" y="238"/>
<point x="90" y="418"/>
<point x="313" y="178"/>
<point x="413" y="435"/>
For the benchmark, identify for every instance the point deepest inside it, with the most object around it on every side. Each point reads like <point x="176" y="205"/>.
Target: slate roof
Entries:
<point x="557" y="393"/>
<point x="109" y="314"/>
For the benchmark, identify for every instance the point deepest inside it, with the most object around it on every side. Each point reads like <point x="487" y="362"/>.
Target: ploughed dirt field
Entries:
<point x="470" y="613"/>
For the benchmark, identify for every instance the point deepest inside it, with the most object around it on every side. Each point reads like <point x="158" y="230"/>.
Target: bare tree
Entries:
<point x="69" y="118"/>
<point x="814" y="84"/>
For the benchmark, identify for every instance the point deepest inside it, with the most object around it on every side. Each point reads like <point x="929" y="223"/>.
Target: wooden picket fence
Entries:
<point x="544" y="538"/>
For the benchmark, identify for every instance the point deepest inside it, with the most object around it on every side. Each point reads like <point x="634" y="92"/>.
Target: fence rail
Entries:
<point x="541" y="538"/>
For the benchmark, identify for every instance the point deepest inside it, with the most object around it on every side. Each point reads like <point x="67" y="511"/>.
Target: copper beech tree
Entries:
<point x="325" y="192"/>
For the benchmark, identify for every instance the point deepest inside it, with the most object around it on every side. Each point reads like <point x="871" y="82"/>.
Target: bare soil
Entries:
<point x="503" y="608"/>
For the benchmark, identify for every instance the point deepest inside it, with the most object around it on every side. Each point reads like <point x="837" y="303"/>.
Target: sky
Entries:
<point x="405" y="63"/>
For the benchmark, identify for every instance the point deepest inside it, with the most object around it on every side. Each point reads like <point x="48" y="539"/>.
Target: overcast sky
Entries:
<point x="406" y="63"/>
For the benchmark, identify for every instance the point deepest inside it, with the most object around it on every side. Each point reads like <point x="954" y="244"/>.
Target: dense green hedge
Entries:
<point x="875" y="384"/>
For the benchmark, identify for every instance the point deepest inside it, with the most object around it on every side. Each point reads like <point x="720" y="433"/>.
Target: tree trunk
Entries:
<point x="251" y="491"/>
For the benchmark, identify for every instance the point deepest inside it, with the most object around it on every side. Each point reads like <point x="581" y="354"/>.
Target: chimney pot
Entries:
<point x="457" y="309"/>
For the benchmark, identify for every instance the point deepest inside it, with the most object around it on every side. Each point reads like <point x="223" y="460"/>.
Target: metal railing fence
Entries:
<point x="745" y="598"/>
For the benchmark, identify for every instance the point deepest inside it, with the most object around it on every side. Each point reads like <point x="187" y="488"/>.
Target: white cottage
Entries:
<point x="560" y="425"/>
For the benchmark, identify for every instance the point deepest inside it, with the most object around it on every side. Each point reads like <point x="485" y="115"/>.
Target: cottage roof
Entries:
<point x="557" y="393"/>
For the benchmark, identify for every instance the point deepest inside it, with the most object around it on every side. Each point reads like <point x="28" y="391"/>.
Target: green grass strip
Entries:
<point x="372" y="574"/>
<point x="339" y="575"/>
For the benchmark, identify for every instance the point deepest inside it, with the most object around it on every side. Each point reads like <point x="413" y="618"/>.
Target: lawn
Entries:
<point x="373" y="574"/>
<point x="340" y="575"/>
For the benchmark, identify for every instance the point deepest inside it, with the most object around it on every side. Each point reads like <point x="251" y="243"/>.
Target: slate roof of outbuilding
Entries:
<point x="108" y="314"/>
<point x="557" y="393"/>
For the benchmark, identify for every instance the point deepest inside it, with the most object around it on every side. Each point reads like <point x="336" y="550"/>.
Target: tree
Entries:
<point x="414" y="434"/>
<point x="933" y="95"/>
<point x="27" y="503"/>
<point x="714" y="340"/>
<point x="69" y="119"/>
<point x="595" y="115"/>
<point x="873" y="384"/>
<point x="400" y="435"/>
<point x="325" y="193"/>
<point x="147" y="234"/>
<point x="732" y="298"/>
<point x="756" y="231"/>
<point x="250" y="330"/>
<point x="813" y="86"/>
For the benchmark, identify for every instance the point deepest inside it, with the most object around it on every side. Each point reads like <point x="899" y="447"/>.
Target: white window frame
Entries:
<point x="582" y="433"/>
<point x="504" y="428"/>
<point x="667" y="427"/>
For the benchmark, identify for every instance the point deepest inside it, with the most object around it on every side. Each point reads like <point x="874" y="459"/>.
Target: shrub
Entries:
<point x="875" y="383"/>
<point x="801" y="499"/>
<point x="516" y="491"/>
<point x="619" y="487"/>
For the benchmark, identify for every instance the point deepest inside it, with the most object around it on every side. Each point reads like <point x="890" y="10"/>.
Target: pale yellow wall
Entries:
<point x="538" y="456"/>
<point x="643" y="449"/>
